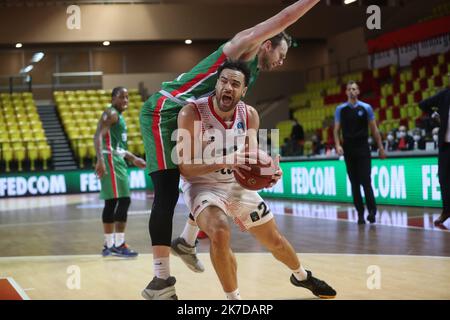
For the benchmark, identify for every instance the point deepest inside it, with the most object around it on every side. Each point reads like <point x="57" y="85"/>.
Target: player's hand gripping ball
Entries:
<point x="261" y="174"/>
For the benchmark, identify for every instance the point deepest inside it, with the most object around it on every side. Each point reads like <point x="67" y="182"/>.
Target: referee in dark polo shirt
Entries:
<point x="354" y="117"/>
<point x="441" y="101"/>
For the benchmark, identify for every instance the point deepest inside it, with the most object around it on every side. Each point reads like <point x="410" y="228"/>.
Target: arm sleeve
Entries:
<point x="370" y="113"/>
<point x="337" y="114"/>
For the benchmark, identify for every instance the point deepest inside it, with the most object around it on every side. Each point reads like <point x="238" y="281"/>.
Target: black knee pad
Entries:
<point x="108" y="211"/>
<point x="122" y="209"/>
<point x="165" y="183"/>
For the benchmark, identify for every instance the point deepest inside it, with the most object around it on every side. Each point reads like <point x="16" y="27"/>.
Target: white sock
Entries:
<point x="161" y="267"/>
<point x="190" y="233"/>
<point x="120" y="238"/>
<point x="300" y="274"/>
<point x="235" y="295"/>
<point x="109" y="240"/>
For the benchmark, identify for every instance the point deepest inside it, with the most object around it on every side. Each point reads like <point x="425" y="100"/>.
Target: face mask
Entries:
<point x="370" y="140"/>
<point x="435" y="137"/>
<point x="402" y="134"/>
<point x="416" y="138"/>
<point x="390" y="137"/>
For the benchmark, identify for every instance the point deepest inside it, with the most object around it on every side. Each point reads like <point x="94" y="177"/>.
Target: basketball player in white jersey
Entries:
<point x="211" y="191"/>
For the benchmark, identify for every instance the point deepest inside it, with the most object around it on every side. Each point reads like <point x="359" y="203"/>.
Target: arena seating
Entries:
<point x="440" y="10"/>
<point x="394" y="95"/>
<point x="80" y="111"/>
<point x="22" y="137"/>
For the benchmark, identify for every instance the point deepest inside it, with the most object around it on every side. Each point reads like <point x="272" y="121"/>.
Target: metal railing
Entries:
<point x="10" y="84"/>
<point x="77" y="80"/>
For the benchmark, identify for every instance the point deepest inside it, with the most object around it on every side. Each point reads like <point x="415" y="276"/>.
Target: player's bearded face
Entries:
<point x="230" y="88"/>
<point x="273" y="57"/>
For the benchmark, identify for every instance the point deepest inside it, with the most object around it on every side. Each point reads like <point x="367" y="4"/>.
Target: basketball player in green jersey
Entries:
<point x="263" y="47"/>
<point x="110" y="143"/>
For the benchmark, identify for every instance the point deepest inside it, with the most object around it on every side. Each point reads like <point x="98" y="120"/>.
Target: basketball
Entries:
<point x="260" y="175"/>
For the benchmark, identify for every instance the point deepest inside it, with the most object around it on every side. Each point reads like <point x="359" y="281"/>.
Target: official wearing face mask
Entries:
<point x="441" y="101"/>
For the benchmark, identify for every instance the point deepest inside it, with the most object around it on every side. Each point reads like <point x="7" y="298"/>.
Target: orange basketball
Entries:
<point x="260" y="175"/>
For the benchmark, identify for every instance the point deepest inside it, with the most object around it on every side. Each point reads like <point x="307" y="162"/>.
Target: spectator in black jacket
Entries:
<point x="438" y="107"/>
<point x="298" y="138"/>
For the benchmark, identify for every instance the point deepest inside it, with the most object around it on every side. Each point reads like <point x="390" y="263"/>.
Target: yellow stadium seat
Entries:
<point x="445" y="81"/>
<point x="403" y="112"/>
<point x="422" y="72"/>
<point x="389" y="114"/>
<point x="418" y="111"/>
<point x="15" y="136"/>
<point x="39" y="136"/>
<point x="19" y="154"/>
<point x="4" y="136"/>
<point x="82" y="151"/>
<point x="436" y="71"/>
<point x="33" y="154"/>
<point x="410" y="98"/>
<point x="7" y="155"/>
<point x="388" y="126"/>
<point x="44" y="153"/>
<point x="402" y="88"/>
<point x="27" y="136"/>
<point x="91" y="151"/>
<point x="396" y="100"/>
<point x="411" y="111"/>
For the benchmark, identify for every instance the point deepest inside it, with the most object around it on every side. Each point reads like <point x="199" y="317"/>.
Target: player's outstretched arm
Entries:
<point x="244" y="45"/>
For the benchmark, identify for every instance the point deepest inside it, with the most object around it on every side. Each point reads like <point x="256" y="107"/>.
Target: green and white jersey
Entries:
<point x="115" y="141"/>
<point x="197" y="83"/>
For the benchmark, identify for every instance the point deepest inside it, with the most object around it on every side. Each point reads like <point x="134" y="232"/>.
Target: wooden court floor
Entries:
<point x="50" y="248"/>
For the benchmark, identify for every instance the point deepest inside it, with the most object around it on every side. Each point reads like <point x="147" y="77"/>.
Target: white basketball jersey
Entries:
<point x="221" y="138"/>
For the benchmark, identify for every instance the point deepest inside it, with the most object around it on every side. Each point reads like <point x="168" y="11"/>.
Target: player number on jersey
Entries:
<point x="261" y="213"/>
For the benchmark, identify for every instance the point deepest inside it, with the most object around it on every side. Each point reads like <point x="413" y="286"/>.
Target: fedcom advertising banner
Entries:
<point x="401" y="181"/>
<point x="48" y="183"/>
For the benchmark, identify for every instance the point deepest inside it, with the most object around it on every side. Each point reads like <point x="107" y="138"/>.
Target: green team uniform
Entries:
<point x="159" y="113"/>
<point x="115" y="182"/>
